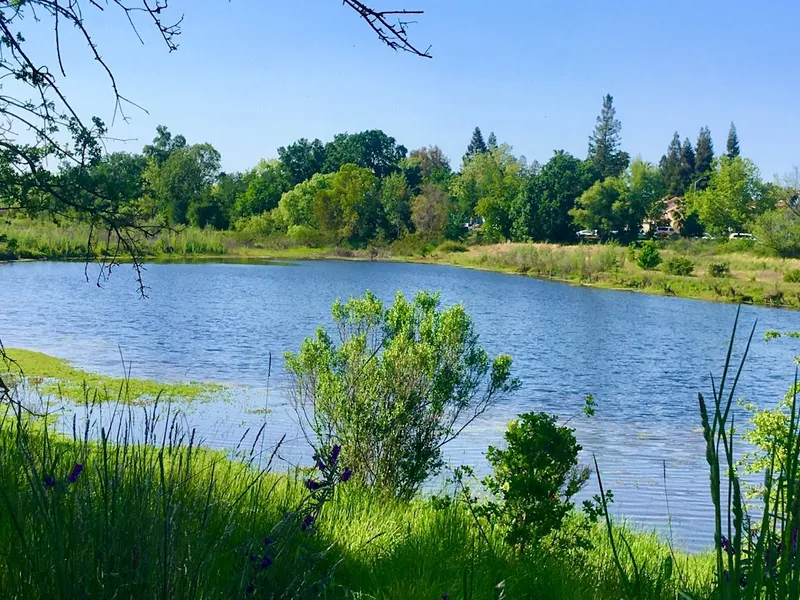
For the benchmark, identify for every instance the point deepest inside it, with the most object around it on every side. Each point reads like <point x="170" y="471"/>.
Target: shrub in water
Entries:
<point x="679" y="266"/>
<point x="792" y="276"/>
<point x="719" y="269"/>
<point x="649" y="257"/>
<point x="395" y="386"/>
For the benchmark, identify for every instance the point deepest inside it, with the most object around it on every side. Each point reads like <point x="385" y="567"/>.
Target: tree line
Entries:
<point x="363" y="187"/>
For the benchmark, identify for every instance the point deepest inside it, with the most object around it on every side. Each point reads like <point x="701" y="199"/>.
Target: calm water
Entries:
<point x="643" y="357"/>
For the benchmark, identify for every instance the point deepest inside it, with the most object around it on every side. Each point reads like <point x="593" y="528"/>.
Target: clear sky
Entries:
<point x="250" y="76"/>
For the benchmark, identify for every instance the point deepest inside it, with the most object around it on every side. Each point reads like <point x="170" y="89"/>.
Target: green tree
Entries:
<point x="163" y="145"/>
<point x="734" y="196"/>
<point x="183" y="180"/>
<point x="266" y="183"/>
<point x="476" y="145"/>
<point x="302" y="160"/>
<point x="670" y="167"/>
<point x="779" y="231"/>
<point x="646" y="192"/>
<point x="602" y="206"/>
<point x="733" y="142"/>
<point x="542" y="213"/>
<point x="394" y="386"/>
<point x="704" y="158"/>
<point x="604" y="143"/>
<point x="688" y="165"/>
<point x="396" y="203"/>
<point x="430" y="211"/>
<point x="434" y="165"/>
<point x="488" y="186"/>
<point x="296" y="206"/>
<point x="491" y="141"/>
<point x="534" y="479"/>
<point x="371" y="149"/>
<point x="349" y="209"/>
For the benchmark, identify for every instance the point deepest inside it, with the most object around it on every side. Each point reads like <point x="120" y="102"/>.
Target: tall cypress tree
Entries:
<point x="670" y="166"/>
<point x="476" y="145"/>
<point x="687" y="165"/>
<point x="733" y="142"/>
<point x="703" y="157"/>
<point x="491" y="141"/>
<point x="604" y="143"/>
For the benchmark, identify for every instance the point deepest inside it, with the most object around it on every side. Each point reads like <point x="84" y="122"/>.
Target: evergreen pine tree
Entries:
<point x="703" y="158"/>
<point x="476" y="145"/>
<point x="491" y="141"/>
<point x="733" y="142"/>
<point x="687" y="165"/>
<point x="604" y="143"/>
<point x="670" y="166"/>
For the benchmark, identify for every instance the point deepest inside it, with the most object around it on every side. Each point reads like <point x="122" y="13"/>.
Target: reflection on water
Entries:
<point x="643" y="357"/>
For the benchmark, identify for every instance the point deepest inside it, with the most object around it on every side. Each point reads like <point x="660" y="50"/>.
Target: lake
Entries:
<point x="644" y="358"/>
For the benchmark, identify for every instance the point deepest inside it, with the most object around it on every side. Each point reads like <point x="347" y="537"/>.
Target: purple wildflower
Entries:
<point x="253" y="558"/>
<point x="267" y="541"/>
<point x="346" y="474"/>
<point x="49" y="481"/>
<point x="337" y="449"/>
<point x="312" y="485"/>
<point x="320" y="465"/>
<point x="307" y="522"/>
<point x="251" y="589"/>
<point x="794" y="538"/>
<point x="726" y="545"/>
<point x="266" y="562"/>
<point x="75" y="473"/>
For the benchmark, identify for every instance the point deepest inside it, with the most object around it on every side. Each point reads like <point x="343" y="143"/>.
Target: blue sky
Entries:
<point x="251" y="76"/>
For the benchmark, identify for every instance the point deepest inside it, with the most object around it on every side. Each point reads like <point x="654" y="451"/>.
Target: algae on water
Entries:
<point x="57" y="377"/>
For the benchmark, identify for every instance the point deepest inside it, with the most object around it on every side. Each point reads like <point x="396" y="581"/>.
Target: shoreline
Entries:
<point x="657" y="283"/>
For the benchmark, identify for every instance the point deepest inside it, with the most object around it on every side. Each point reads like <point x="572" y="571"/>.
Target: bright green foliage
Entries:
<point x="792" y="276"/>
<point x="604" y="143"/>
<point x="395" y="198"/>
<point x="430" y="211"/>
<point x="297" y="205"/>
<point x="394" y="385"/>
<point x="488" y="186"/>
<point x="648" y="256"/>
<point x="164" y="144"/>
<point x="476" y="146"/>
<point x="371" y="149"/>
<point x="534" y="479"/>
<point x="349" y="209"/>
<point x="602" y="206"/>
<point x="542" y="212"/>
<point x="184" y="179"/>
<point x="302" y="160"/>
<point x="679" y="266"/>
<point x="733" y="142"/>
<point x="779" y="231"/>
<point x="267" y="182"/>
<point x="704" y="157"/>
<point x="733" y="197"/>
<point x="645" y="196"/>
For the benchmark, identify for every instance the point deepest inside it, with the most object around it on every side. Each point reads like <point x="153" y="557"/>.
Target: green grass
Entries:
<point x="169" y="520"/>
<point x="56" y="377"/>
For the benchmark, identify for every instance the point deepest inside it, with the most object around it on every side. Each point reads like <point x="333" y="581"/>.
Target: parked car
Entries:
<point x="742" y="236"/>
<point x="707" y="236"/>
<point x="664" y="232"/>
<point x="588" y="234"/>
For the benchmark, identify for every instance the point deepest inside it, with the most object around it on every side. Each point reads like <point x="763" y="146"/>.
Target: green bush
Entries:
<point x="451" y="246"/>
<point x="649" y="257"/>
<point x="533" y="479"/>
<point x="679" y="266"/>
<point x="394" y="386"/>
<point x="308" y="236"/>
<point x="792" y="276"/>
<point x="719" y="269"/>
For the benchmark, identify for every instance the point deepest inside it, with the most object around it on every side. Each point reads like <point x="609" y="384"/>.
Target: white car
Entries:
<point x="742" y="236"/>
<point x="588" y="234"/>
<point x="664" y="232"/>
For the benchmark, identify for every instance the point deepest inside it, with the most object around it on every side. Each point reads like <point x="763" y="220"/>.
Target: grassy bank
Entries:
<point x="743" y="275"/>
<point x="115" y="518"/>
